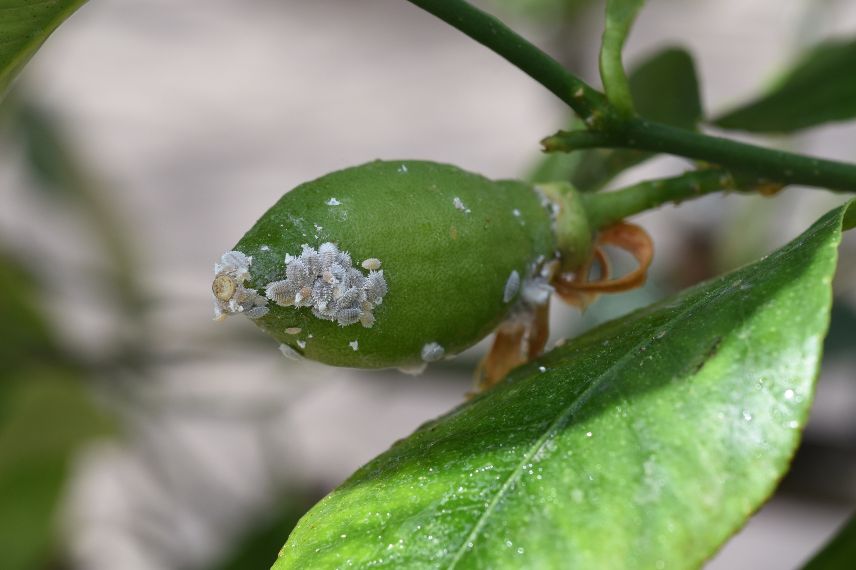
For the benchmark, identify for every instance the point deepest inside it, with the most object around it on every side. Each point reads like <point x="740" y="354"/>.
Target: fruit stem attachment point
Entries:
<point x="571" y="224"/>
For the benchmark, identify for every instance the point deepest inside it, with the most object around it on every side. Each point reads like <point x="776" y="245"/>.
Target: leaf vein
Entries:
<point x="565" y="415"/>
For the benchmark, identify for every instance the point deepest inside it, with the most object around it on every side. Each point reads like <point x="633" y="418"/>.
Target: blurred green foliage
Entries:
<point x="59" y="173"/>
<point x="46" y="412"/>
<point x="839" y="553"/>
<point x="49" y="417"/>
<point x="45" y="416"/>
<point x="819" y="88"/>
<point x="545" y="10"/>
<point x="258" y="546"/>
<point x="26" y="337"/>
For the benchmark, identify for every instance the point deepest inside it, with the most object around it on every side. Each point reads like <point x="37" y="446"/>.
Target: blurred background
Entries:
<point x="146" y="137"/>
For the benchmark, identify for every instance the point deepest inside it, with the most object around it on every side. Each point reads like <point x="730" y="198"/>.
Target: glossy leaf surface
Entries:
<point x="24" y="26"/>
<point x="644" y="443"/>
<point x="821" y="88"/>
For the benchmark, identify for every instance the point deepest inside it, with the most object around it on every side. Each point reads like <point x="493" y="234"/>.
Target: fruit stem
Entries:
<point x="607" y="208"/>
<point x="571" y="224"/>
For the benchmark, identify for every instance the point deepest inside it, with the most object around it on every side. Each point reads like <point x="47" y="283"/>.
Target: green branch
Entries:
<point x="611" y="127"/>
<point x="569" y="141"/>
<point x="774" y="165"/>
<point x="498" y="37"/>
<point x="619" y="18"/>
<point x="606" y="208"/>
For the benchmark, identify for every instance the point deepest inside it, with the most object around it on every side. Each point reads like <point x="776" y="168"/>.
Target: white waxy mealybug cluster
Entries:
<point x="289" y="352"/>
<point x="459" y="205"/>
<point x="512" y="286"/>
<point x="432" y="352"/>
<point x="230" y="295"/>
<point x="536" y="289"/>
<point x="326" y="281"/>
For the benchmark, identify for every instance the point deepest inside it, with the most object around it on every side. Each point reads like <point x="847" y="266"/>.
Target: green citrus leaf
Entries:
<point x="665" y="89"/>
<point x="839" y="553"/>
<point x="820" y="88"/>
<point x="643" y="444"/>
<point x="24" y="27"/>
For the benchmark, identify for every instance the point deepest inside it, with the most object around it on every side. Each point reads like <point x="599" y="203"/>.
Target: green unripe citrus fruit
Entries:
<point x="388" y="264"/>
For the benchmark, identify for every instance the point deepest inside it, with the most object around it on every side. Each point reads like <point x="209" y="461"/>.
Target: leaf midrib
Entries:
<point x="568" y="412"/>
